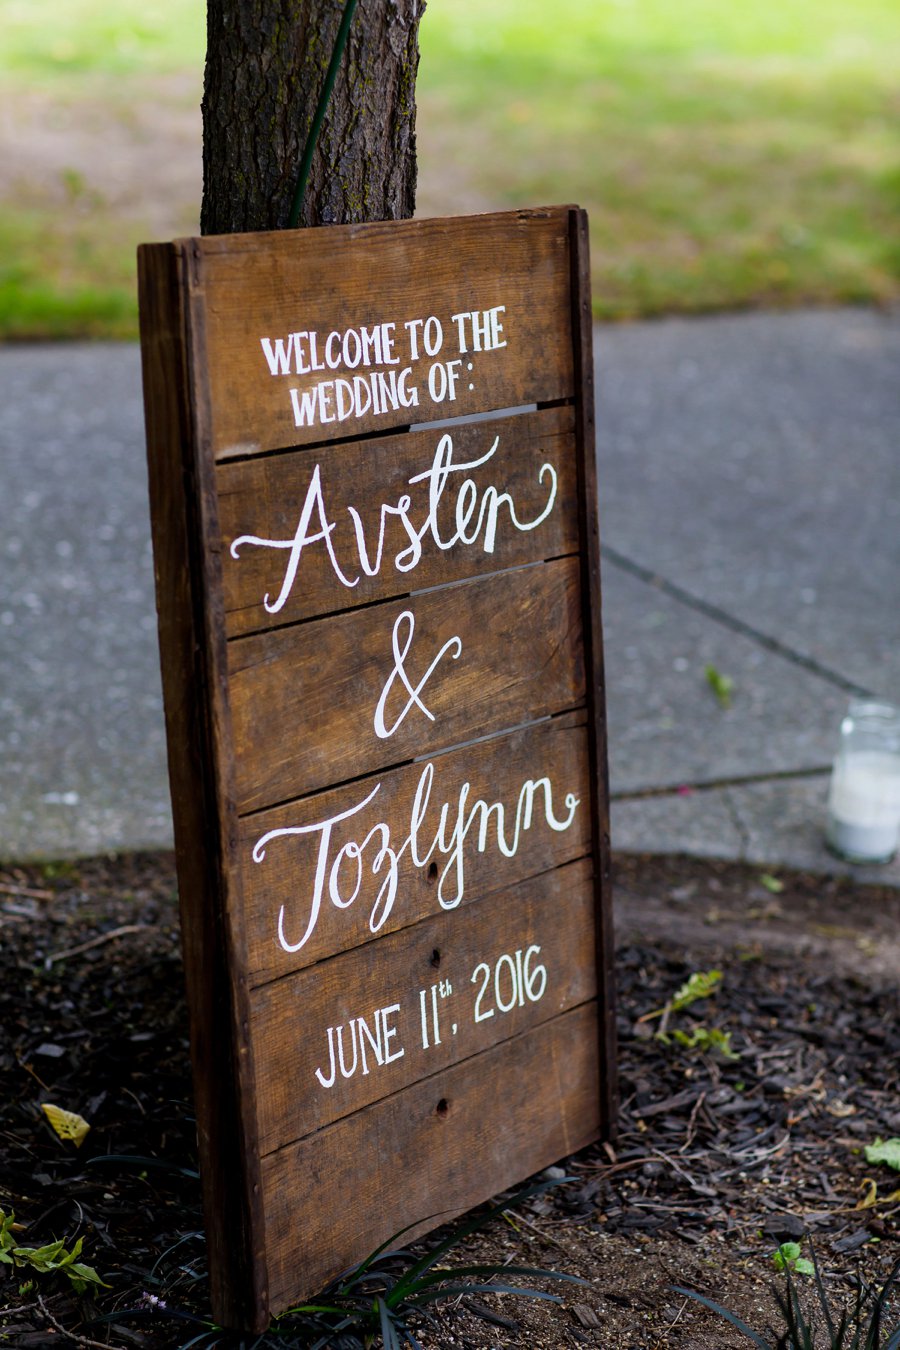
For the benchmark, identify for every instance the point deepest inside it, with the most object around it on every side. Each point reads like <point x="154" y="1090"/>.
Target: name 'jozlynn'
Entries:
<point x="340" y="867"/>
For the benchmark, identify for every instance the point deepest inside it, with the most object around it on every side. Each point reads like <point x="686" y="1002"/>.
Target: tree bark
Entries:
<point x="265" y="65"/>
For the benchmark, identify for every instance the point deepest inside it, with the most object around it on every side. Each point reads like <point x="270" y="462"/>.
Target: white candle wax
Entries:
<point x="864" y="805"/>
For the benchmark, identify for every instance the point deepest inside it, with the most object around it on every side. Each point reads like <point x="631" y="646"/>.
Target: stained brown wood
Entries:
<point x="475" y="1128"/>
<point x="288" y="789"/>
<point x="517" y="504"/>
<point x="216" y="993"/>
<point x="350" y="278"/>
<point x="582" y="333"/>
<point x="361" y="1026"/>
<point x="304" y="698"/>
<point x="281" y="885"/>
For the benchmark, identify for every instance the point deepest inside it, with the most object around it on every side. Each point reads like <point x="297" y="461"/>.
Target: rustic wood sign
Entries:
<point x="382" y="668"/>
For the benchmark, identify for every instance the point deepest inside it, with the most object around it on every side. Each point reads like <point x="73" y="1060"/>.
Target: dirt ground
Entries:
<point x="128" y="153"/>
<point x="717" y="1159"/>
<point x="129" y="148"/>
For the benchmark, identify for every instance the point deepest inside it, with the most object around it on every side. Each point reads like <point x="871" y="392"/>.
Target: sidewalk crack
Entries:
<point x="727" y="620"/>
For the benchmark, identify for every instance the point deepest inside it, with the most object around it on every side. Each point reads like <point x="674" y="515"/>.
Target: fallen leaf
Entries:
<point x="884" y="1151"/>
<point x="841" y="1109"/>
<point x="870" y="1197"/>
<point x="67" y="1124"/>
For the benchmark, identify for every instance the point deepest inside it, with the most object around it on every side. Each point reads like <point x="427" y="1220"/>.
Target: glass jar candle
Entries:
<point x="864" y="797"/>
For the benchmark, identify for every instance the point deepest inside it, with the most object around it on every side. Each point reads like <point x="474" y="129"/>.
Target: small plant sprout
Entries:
<point x="707" y="1040"/>
<point x="699" y="985"/>
<point x="788" y="1257"/>
<point x="721" y="685"/>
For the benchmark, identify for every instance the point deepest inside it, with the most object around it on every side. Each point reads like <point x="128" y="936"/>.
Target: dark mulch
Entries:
<point x="717" y="1160"/>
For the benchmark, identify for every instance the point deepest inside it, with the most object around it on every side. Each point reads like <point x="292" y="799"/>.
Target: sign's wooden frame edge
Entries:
<point x="591" y="596"/>
<point x="192" y="649"/>
<point x="192" y="644"/>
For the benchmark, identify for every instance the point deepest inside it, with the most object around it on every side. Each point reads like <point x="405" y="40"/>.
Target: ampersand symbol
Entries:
<point x="452" y="645"/>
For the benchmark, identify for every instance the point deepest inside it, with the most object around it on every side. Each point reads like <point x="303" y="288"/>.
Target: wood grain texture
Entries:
<point x="490" y="772"/>
<point x="222" y="1070"/>
<point x="512" y="961"/>
<point x="588" y="498"/>
<point x="303" y="698"/>
<point x="466" y="1134"/>
<point x="529" y="477"/>
<point x="349" y="277"/>
<point x="321" y="864"/>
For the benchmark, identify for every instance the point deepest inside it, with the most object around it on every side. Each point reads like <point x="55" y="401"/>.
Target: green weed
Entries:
<point x="705" y="1039"/>
<point x="789" y="1257"/>
<point x="699" y="985"/>
<point x="52" y="1259"/>
<point x="721" y="685"/>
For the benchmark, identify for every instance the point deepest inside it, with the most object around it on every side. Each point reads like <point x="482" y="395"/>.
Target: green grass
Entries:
<point x="45" y="40"/>
<point x="57" y="281"/>
<point x="729" y="154"/>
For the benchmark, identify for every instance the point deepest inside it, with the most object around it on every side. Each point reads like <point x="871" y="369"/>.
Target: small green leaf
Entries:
<point x="786" y="1255"/>
<point x="700" y="985"/>
<point x="42" y="1258"/>
<point x="704" y="1039"/>
<point x="68" y="1258"/>
<point x="884" y="1151"/>
<point x="7" y="1223"/>
<point x="788" y="1258"/>
<point x="82" y="1275"/>
<point x="772" y="883"/>
<point x="721" y="685"/>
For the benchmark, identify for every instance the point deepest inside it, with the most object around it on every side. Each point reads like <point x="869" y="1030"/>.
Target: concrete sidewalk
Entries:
<point x="750" y="507"/>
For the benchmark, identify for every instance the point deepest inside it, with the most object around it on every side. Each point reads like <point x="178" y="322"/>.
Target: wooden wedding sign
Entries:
<point x="382" y="667"/>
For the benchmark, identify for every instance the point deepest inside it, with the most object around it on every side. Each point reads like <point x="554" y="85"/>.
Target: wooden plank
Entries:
<point x="480" y="497"/>
<point x="354" y="764"/>
<point x="588" y="498"/>
<point x="511" y="271"/>
<point x="291" y="920"/>
<point x="501" y="651"/>
<point x="361" y="1026"/>
<point x="216" y="996"/>
<point x="446" y="1143"/>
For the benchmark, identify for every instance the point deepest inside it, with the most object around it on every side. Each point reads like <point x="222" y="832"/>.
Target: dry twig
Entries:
<point x="69" y="1335"/>
<point x="29" y="892"/>
<point x="95" y="942"/>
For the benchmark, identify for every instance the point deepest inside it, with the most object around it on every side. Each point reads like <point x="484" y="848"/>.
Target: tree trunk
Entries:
<point x="265" y="66"/>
